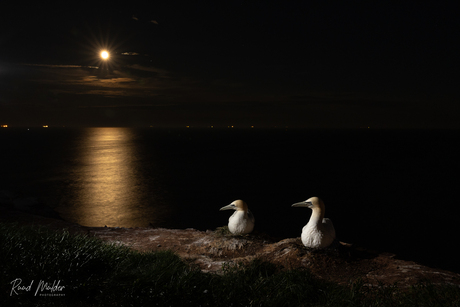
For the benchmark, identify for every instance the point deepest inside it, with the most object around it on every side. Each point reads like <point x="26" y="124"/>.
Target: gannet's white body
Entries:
<point x="319" y="231"/>
<point x="242" y="221"/>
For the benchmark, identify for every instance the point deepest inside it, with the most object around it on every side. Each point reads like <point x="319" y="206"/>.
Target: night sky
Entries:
<point x="313" y="64"/>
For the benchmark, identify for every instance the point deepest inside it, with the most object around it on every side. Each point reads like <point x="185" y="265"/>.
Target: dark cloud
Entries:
<point x="343" y="65"/>
<point x="72" y="95"/>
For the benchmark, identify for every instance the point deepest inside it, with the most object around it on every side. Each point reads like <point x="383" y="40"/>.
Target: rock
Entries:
<point x="6" y="199"/>
<point x="211" y="249"/>
<point x="27" y="204"/>
<point x="32" y="205"/>
<point x="342" y="264"/>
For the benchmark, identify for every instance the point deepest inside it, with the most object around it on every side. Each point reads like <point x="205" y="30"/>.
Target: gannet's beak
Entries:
<point x="303" y="204"/>
<point x="228" y="207"/>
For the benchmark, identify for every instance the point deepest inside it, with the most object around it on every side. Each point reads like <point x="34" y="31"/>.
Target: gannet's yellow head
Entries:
<point x="237" y="205"/>
<point x="312" y="203"/>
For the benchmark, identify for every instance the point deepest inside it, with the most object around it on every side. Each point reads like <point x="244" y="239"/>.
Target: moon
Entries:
<point x="104" y="55"/>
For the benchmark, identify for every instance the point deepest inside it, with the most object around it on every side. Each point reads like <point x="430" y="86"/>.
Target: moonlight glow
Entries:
<point x="104" y="55"/>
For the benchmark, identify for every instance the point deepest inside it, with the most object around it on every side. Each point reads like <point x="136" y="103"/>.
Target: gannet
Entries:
<point x="242" y="221"/>
<point x="319" y="231"/>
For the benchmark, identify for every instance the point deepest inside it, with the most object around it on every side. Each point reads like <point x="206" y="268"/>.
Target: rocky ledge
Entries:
<point x="211" y="249"/>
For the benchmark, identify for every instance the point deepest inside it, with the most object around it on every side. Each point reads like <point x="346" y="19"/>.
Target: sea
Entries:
<point x="392" y="191"/>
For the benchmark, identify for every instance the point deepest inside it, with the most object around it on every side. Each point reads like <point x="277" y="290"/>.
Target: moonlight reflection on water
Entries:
<point x="109" y="182"/>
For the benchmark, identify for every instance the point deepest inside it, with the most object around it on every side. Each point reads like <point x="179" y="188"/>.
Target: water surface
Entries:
<point x="394" y="190"/>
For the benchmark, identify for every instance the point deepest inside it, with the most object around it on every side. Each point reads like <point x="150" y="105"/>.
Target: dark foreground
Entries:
<point x="205" y="268"/>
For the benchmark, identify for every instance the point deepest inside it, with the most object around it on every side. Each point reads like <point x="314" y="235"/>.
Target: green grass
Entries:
<point x="95" y="273"/>
<point x="222" y="231"/>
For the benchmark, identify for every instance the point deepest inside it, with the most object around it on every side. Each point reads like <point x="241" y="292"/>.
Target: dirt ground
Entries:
<point x="341" y="263"/>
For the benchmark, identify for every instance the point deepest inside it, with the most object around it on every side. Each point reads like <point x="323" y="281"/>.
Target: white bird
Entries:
<point x="242" y="221"/>
<point x="319" y="231"/>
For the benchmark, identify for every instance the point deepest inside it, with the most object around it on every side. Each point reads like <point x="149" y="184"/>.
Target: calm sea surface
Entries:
<point x="390" y="190"/>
